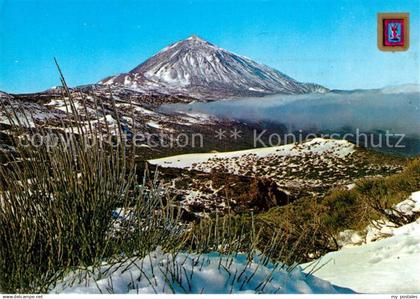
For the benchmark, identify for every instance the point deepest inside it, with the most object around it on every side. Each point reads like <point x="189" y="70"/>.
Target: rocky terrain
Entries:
<point x="100" y="108"/>
<point x="262" y="178"/>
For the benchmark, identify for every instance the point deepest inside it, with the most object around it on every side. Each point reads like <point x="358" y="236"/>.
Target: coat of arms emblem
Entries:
<point x="393" y="31"/>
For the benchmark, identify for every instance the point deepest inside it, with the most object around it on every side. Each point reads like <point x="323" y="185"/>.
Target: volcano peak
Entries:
<point x="197" y="68"/>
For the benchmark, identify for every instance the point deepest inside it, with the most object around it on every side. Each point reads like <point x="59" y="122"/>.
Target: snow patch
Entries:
<point x="320" y="146"/>
<point x="144" y="111"/>
<point x="198" y="274"/>
<point x="391" y="265"/>
<point x="256" y="89"/>
<point x="387" y="265"/>
<point x="153" y="124"/>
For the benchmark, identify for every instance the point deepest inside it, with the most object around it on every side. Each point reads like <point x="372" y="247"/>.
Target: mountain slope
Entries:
<point x="197" y="68"/>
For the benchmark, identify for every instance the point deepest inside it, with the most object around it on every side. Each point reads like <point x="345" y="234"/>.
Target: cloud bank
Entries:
<point x="396" y="110"/>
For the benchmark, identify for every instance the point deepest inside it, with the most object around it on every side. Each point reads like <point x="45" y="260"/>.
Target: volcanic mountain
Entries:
<point x="197" y="68"/>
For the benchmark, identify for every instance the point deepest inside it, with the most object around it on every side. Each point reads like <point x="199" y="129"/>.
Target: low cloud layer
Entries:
<point x="395" y="110"/>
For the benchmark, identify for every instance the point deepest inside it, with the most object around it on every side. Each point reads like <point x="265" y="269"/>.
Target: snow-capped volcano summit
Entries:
<point x="197" y="68"/>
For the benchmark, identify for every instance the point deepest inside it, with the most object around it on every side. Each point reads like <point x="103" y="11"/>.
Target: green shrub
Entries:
<point x="342" y="209"/>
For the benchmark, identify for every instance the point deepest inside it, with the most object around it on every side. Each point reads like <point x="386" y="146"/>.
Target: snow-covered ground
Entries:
<point x="319" y="146"/>
<point x="391" y="265"/>
<point x="388" y="265"/>
<point x="25" y="121"/>
<point x="190" y="273"/>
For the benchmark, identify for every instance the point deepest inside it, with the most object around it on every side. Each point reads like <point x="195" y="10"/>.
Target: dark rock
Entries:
<point x="259" y="194"/>
<point x="187" y="216"/>
<point x="264" y="194"/>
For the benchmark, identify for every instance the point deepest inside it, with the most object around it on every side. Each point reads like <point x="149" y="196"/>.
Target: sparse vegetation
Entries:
<point x="341" y="209"/>
<point x="73" y="205"/>
<point x="371" y="198"/>
<point x="79" y="203"/>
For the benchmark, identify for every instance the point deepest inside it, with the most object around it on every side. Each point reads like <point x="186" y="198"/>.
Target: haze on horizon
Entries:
<point x="332" y="43"/>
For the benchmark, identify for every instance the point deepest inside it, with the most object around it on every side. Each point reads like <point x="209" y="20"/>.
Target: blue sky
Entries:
<point x="332" y="43"/>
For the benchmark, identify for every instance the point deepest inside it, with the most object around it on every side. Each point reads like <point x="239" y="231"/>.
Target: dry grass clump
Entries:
<point x="73" y="204"/>
<point x="288" y="234"/>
